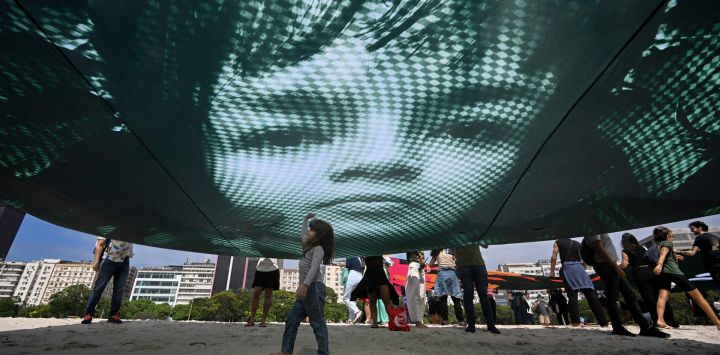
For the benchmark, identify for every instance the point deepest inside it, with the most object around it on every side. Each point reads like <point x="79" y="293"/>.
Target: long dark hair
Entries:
<point x="324" y="237"/>
<point x="661" y="234"/>
<point x="628" y="241"/>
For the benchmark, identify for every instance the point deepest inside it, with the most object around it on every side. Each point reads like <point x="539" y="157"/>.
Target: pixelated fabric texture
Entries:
<point x="215" y="126"/>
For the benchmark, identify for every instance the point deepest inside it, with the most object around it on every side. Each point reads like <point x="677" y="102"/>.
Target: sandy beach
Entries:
<point x="32" y="336"/>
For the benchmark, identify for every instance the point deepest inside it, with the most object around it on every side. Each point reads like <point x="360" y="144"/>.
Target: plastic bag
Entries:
<point x="398" y="319"/>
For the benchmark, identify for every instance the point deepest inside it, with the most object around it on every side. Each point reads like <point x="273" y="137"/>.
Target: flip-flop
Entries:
<point x="249" y="324"/>
<point x="262" y="324"/>
<point x="663" y="326"/>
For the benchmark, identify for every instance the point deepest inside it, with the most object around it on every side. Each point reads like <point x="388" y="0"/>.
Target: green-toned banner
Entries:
<point x="214" y="126"/>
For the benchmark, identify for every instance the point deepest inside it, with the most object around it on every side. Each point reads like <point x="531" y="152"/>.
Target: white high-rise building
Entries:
<point x="332" y="279"/>
<point x="157" y="284"/>
<point x="10" y="274"/>
<point x="68" y="273"/>
<point x="289" y="279"/>
<point x="34" y="280"/>
<point x="196" y="281"/>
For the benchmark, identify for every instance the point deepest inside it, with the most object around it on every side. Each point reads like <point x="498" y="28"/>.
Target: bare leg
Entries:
<point x="660" y="308"/>
<point x="254" y="305"/>
<point x="373" y="308"/>
<point x="266" y="305"/>
<point x="366" y="309"/>
<point x="700" y="300"/>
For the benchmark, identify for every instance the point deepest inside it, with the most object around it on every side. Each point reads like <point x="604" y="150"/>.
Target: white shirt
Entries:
<point x="266" y="265"/>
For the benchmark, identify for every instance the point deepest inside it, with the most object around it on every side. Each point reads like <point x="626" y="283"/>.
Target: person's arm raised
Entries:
<point x="553" y="259"/>
<point x="305" y="224"/>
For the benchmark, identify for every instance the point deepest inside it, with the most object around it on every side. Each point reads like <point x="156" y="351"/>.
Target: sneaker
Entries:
<point x="623" y="332"/>
<point x="470" y="328"/>
<point x="357" y="318"/>
<point x="115" y="319"/>
<point x="87" y="319"/>
<point x="652" y="331"/>
<point x="493" y="329"/>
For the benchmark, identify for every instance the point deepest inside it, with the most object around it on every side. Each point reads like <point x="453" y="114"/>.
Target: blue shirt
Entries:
<point x="354" y="264"/>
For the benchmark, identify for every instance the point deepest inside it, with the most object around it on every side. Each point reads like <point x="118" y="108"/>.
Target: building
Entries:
<point x="196" y="281"/>
<point x="233" y="273"/>
<point x="683" y="239"/>
<point x="333" y="275"/>
<point x="34" y="280"/>
<point x="65" y="274"/>
<point x="539" y="268"/>
<point x="10" y="275"/>
<point x="132" y="274"/>
<point x="289" y="279"/>
<point x="27" y="279"/>
<point x="157" y="284"/>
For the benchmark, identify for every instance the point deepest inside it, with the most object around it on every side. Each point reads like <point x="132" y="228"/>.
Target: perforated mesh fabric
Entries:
<point x="215" y="126"/>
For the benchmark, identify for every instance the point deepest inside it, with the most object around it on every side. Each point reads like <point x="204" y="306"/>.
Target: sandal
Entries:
<point x="262" y="324"/>
<point x="249" y="324"/>
<point x="375" y="326"/>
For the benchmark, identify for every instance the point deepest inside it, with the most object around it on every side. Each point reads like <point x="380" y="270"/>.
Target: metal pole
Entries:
<point x="190" y="312"/>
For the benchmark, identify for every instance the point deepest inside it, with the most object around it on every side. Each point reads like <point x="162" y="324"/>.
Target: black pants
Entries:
<point x="592" y="299"/>
<point x="457" y="305"/>
<point x="715" y="274"/>
<point x="614" y="286"/>
<point x="493" y="306"/>
<point x="647" y="286"/>
<point x="564" y="318"/>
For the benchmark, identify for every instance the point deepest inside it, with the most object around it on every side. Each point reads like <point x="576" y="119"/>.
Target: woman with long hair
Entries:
<point x="668" y="272"/>
<point x="318" y="246"/>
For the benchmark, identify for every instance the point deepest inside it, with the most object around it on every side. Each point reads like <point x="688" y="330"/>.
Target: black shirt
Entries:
<point x="569" y="250"/>
<point x="709" y="245"/>
<point x="636" y="256"/>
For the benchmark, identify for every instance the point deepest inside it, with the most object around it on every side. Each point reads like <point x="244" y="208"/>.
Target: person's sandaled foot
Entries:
<point x="420" y="325"/>
<point x="250" y="323"/>
<point x="375" y="325"/>
<point x="262" y="324"/>
<point x="662" y="326"/>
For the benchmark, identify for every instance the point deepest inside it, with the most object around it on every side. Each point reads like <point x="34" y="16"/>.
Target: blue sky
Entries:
<point x="38" y="239"/>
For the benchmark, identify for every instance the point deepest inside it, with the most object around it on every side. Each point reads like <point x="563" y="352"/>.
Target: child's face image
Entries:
<point x="380" y="144"/>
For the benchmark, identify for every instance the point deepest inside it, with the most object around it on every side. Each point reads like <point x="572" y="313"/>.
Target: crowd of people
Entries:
<point x="462" y="273"/>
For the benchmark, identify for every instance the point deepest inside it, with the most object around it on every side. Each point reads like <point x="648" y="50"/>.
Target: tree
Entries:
<point x="8" y="307"/>
<point x="335" y="312"/>
<point x="69" y="302"/>
<point x="225" y="307"/>
<point x="330" y="295"/>
<point x="145" y="309"/>
<point x="180" y="312"/>
<point x="41" y="311"/>
<point x="282" y="301"/>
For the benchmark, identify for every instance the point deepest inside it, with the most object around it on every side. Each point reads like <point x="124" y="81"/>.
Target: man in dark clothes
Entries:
<point x="708" y="245"/>
<point x="559" y="305"/>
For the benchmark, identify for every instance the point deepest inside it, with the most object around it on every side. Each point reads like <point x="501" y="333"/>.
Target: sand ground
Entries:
<point x="32" y="336"/>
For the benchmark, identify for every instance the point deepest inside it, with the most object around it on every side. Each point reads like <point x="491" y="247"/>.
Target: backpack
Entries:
<point x="587" y="253"/>
<point x="652" y="254"/>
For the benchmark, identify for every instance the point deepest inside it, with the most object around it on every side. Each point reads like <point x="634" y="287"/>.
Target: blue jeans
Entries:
<point x="475" y="278"/>
<point x="119" y="273"/>
<point x="312" y="306"/>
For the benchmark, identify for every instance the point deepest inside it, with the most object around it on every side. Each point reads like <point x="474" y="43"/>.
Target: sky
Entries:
<point x="38" y="239"/>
